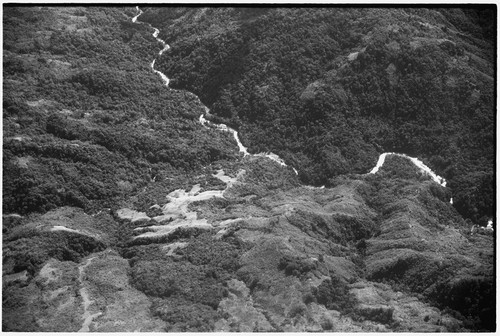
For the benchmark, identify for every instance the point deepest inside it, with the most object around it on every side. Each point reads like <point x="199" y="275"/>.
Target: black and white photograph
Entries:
<point x="249" y="167"/>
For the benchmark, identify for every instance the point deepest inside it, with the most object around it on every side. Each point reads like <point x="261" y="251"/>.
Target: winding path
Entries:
<point x="87" y="316"/>
<point x="423" y="168"/>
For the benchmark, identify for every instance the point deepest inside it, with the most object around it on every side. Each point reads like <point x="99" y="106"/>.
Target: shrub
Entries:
<point x="297" y="309"/>
<point x="250" y="278"/>
<point x="381" y="314"/>
<point x="199" y="276"/>
<point x="30" y="253"/>
<point x="327" y="324"/>
<point x="165" y="278"/>
<point x="334" y="294"/>
<point x="182" y="315"/>
<point x="471" y="296"/>
<point x="308" y="298"/>
<point x="295" y="265"/>
<point x="218" y="254"/>
<point x="355" y="228"/>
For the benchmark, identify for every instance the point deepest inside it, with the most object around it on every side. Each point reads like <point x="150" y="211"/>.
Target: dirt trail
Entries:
<point x="87" y="316"/>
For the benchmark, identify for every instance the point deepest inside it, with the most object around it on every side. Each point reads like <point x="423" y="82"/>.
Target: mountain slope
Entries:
<point x="330" y="89"/>
<point x="85" y="121"/>
<point x="125" y="211"/>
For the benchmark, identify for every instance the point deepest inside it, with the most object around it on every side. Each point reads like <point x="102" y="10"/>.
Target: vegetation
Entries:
<point x="406" y="202"/>
<point x="87" y="124"/>
<point x="328" y="98"/>
<point x="31" y="250"/>
<point x="473" y="297"/>
<point x="195" y="283"/>
<point x="185" y="316"/>
<point x="334" y="294"/>
<point x="295" y="266"/>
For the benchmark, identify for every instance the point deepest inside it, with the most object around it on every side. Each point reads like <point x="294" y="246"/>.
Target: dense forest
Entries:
<point x="329" y="89"/>
<point x="103" y="225"/>
<point x="86" y="123"/>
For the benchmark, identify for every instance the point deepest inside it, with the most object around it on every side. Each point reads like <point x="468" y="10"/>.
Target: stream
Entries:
<point x="423" y="168"/>
<point x="202" y="119"/>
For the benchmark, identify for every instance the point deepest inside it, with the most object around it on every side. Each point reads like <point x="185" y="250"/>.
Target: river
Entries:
<point x="422" y="167"/>
<point x="202" y="119"/>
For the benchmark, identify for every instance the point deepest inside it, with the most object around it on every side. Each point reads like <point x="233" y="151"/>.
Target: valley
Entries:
<point x="156" y="217"/>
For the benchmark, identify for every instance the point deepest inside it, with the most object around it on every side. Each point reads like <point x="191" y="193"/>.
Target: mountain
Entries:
<point x="330" y="89"/>
<point x="128" y="207"/>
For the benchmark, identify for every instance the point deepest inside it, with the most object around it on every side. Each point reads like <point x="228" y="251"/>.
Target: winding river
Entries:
<point x="422" y="167"/>
<point x="202" y="119"/>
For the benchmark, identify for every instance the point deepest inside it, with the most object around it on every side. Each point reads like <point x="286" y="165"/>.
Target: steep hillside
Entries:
<point x="86" y="123"/>
<point x="127" y="207"/>
<point x="330" y="89"/>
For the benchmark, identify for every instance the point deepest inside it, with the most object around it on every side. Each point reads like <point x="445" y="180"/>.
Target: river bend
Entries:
<point x="166" y="81"/>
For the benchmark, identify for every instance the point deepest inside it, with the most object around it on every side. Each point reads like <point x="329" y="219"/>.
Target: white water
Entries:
<point x="423" y="168"/>
<point x="165" y="46"/>
<point x="164" y="78"/>
<point x="203" y="121"/>
<point x="134" y="19"/>
<point x="490" y="225"/>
